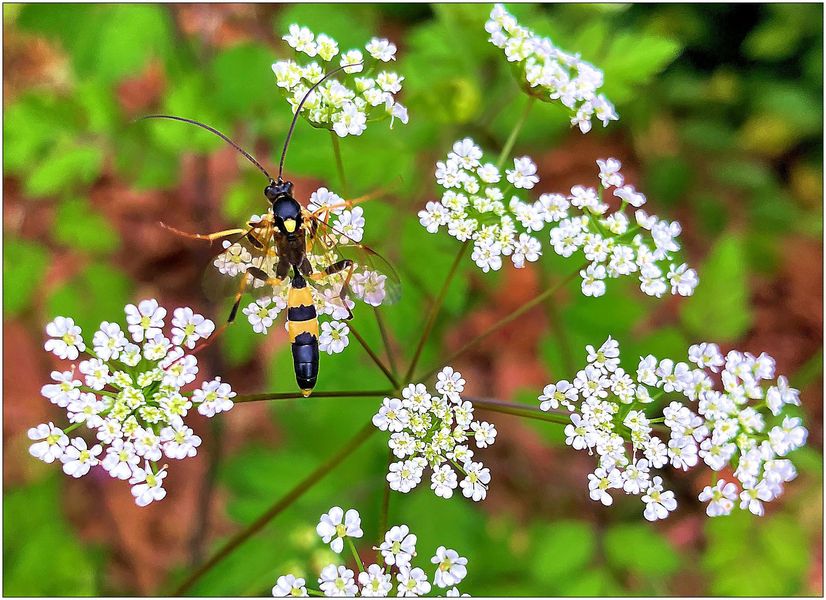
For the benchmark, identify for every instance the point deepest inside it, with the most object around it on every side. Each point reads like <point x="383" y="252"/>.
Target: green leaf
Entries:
<point x="638" y="548"/>
<point x="632" y="60"/>
<point x="240" y="342"/>
<point x="561" y="549"/>
<point x="24" y="264"/>
<point x="67" y="167"/>
<point x="719" y="308"/>
<point x="243" y="79"/>
<point x="105" y="42"/>
<point x="33" y="125"/>
<point x="42" y="555"/>
<point x="668" y="179"/>
<point x="98" y="293"/>
<point x="78" y="225"/>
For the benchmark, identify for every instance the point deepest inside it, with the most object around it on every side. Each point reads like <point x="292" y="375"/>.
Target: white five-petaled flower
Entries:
<point x="65" y="338"/>
<point x="399" y="546"/>
<point x="337" y="581"/>
<point x="147" y="486"/>
<point x="334" y="337"/>
<point x="50" y="442"/>
<point x="289" y="586"/>
<point x="720" y="498"/>
<point x="335" y="525"/>
<point x="412" y="582"/>
<point x="145" y="320"/>
<point x="450" y="569"/>
<point x="375" y="583"/>
<point x="189" y="327"/>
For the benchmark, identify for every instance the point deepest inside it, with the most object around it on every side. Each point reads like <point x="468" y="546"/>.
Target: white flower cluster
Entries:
<point x="546" y="72"/>
<point x="722" y="428"/>
<point x="369" y="286"/>
<point x="373" y="580"/>
<point x="128" y="392"/>
<point x="432" y="430"/>
<point x="474" y="207"/>
<point x="345" y="103"/>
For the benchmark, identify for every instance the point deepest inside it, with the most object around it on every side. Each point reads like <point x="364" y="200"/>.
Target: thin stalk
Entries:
<point x="355" y="554"/>
<point x="506" y="149"/>
<point x="499" y="324"/>
<point x="379" y="363"/>
<point x="384" y="511"/>
<point x="283" y="503"/>
<point x="521" y="410"/>
<point x="434" y="311"/>
<point x="300" y="396"/>
<point x="339" y="163"/>
<point x="385" y="338"/>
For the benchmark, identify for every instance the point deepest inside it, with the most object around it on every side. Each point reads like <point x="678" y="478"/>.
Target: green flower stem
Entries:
<point x="355" y="554"/>
<point x="72" y="427"/>
<point x="501" y="323"/>
<point x="384" y="511"/>
<point x="84" y="388"/>
<point x="521" y="410"/>
<point x="379" y="363"/>
<point x="506" y="149"/>
<point x="339" y="163"/>
<point x="385" y="337"/>
<point x="434" y="311"/>
<point x="282" y="504"/>
<point x="315" y="593"/>
<point x="300" y="396"/>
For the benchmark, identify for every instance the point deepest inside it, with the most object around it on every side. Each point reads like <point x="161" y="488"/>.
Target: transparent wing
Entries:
<point x="373" y="281"/>
<point x="253" y="252"/>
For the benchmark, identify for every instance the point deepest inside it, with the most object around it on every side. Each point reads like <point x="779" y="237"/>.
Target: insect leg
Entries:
<point x="338" y="267"/>
<point x="204" y="236"/>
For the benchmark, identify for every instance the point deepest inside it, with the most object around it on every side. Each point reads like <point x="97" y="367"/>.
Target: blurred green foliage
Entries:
<point x="721" y="106"/>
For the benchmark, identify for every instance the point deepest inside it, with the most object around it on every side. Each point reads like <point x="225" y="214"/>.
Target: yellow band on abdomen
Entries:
<point x="296" y="328"/>
<point x="300" y="297"/>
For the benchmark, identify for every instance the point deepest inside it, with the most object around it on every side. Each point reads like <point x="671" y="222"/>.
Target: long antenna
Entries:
<point x="219" y="134"/>
<point x="298" y="110"/>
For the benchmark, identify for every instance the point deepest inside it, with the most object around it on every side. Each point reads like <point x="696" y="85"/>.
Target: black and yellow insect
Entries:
<point x="280" y="243"/>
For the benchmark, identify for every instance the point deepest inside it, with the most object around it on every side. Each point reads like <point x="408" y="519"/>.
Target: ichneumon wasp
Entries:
<point x="297" y="252"/>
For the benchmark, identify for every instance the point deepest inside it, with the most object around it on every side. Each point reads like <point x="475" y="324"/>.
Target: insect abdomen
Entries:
<point x="302" y="325"/>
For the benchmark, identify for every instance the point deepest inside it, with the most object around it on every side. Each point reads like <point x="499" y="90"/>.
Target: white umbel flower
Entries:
<point x="335" y="525"/>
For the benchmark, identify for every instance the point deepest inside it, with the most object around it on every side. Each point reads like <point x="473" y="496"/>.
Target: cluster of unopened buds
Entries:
<point x="127" y="392"/>
<point x="550" y="74"/>
<point x="745" y="425"/>
<point x="345" y="103"/>
<point x="365" y="284"/>
<point x="397" y="552"/>
<point x="433" y="430"/>
<point x="477" y="206"/>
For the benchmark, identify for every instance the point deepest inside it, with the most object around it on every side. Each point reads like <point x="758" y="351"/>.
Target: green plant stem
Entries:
<point x="384" y="511"/>
<point x="339" y="163"/>
<point x="379" y="363"/>
<point x="300" y="396"/>
<point x="283" y="503"/>
<point x="385" y="337"/>
<point x="506" y="149"/>
<point x="355" y="554"/>
<point x="501" y="323"/>
<point x="72" y="427"/>
<point x="521" y="410"/>
<point x="318" y="593"/>
<point x="434" y="311"/>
